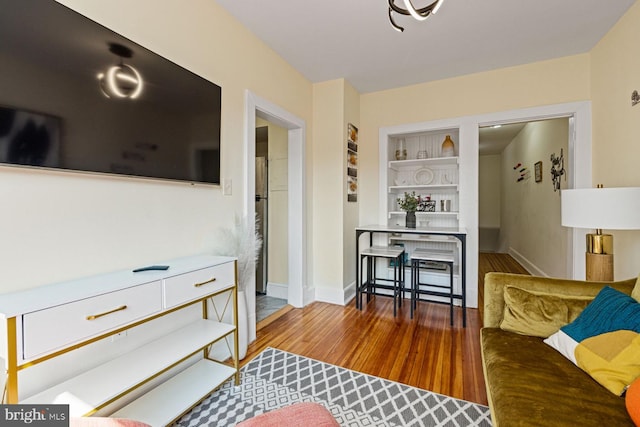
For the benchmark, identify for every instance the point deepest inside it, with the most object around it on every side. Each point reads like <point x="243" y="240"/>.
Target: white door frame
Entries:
<point x="297" y="254"/>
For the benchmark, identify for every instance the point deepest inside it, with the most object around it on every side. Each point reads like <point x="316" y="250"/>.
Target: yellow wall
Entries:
<point x="74" y="225"/>
<point x="615" y="70"/>
<point x="335" y="104"/>
<point x="488" y="197"/>
<point x="328" y="183"/>
<point x="350" y="209"/>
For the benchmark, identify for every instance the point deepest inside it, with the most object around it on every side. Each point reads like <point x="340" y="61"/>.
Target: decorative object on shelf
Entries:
<point x="601" y="208"/>
<point x="410" y="220"/>
<point x="557" y="170"/>
<point x="419" y="14"/>
<point x="538" y="171"/>
<point x="635" y="98"/>
<point x="401" y="150"/>
<point x="422" y="153"/>
<point x="352" y="163"/>
<point x="445" y="205"/>
<point x="242" y="241"/>
<point x="426" y="204"/>
<point x="400" y="182"/>
<point x="448" y="147"/>
<point x="423" y="176"/>
<point x="409" y="203"/>
<point x="445" y="178"/>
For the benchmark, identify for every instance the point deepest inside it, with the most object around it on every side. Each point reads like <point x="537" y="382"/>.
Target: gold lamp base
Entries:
<point x="599" y="257"/>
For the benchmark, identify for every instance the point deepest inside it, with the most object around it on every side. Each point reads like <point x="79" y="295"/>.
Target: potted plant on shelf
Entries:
<point x="409" y="203"/>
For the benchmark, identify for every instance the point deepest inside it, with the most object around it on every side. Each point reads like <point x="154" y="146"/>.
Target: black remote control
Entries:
<point x="151" y="268"/>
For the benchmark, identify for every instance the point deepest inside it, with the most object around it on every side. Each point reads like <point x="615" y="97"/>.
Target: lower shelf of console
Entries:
<point x="105" y="383"/>
<point x="168" y="401"/>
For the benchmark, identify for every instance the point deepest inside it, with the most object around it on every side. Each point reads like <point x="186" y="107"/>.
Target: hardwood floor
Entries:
<point x="488" y="262"/>
<point x="425" y="352"/>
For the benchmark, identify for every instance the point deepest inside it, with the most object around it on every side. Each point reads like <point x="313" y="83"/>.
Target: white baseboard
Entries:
<point x="528" y="265"/>
<point x="335" y="295"/>
<point x="277" y="290"/>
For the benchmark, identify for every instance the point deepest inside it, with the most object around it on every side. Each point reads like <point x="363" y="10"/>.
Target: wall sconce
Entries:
<point x="635" y="98"/>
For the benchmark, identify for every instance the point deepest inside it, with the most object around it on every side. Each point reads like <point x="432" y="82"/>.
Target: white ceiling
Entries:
<point x="352" y="39"/>
<point x="493" y="140"/>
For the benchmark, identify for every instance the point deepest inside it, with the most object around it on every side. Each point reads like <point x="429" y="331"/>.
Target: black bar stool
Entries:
<point x="419" y="260"/>
<point x="372" y="283"/>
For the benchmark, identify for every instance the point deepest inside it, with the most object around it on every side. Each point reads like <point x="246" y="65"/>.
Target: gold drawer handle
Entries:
<point x="197" y="285"/>
<point x="97" y="316"/>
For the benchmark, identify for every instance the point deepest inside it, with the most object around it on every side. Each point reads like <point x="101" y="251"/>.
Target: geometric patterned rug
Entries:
<point x="276" y="378"/>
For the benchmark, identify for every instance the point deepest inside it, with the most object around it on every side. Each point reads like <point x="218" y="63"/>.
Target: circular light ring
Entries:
<point x="412" y="10"/>
<point x="112" y="83"/>
<point x="436" y="7"/>
<point x="420" y="14"/>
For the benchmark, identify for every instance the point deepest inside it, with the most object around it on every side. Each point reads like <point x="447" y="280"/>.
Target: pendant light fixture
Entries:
<point x="420" y="14"/>
<point x="122" y="80"/>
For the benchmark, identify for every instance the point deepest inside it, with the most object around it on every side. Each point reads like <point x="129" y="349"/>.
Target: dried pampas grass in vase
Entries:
<point x="243" y="242"/>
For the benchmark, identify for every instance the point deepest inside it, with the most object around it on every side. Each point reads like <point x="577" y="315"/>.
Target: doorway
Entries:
<point x="519" y="210"/>
<point x="297" y="293"/>
<point x="271" y="206"/>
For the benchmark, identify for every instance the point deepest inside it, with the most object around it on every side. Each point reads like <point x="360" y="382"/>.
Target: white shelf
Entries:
<point x="439" y="213"/>
<point x="394" y="188"/>
<point x="397" y="164"/>
<point x="165" y="403"/>
<point x="423" y="238"/>
<point x="103" y="383"/>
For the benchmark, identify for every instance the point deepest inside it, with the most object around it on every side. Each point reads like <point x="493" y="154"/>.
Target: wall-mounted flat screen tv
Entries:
<point x="75" y="95"/>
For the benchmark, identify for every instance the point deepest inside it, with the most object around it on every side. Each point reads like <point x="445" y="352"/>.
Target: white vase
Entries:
<point x="243" y="326"/>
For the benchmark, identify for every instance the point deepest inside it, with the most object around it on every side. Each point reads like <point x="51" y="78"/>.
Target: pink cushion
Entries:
<point x="105" y="422"/>
<point x="299" y="414"/>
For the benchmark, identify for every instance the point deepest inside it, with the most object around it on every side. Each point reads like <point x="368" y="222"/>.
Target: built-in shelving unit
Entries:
<point x="429" y="173"/>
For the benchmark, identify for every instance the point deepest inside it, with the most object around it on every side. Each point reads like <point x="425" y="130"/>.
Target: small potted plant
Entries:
<point x="409" y="203"/>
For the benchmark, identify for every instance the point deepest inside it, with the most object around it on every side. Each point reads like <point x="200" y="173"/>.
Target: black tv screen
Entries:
<point x="75" y="95"/>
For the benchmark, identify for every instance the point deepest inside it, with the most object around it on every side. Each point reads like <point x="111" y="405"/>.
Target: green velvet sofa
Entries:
<point x="528" y="382"/>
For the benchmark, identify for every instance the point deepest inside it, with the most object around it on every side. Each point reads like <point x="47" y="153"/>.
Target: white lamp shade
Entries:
<point x="603" y="208"/>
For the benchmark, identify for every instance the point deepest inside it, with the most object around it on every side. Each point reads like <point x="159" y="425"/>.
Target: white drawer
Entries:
<point x="57" y="327"/>
<point x="197" y="284"/>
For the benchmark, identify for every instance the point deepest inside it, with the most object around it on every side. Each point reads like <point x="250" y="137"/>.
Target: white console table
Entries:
<point x="45" y="322"/>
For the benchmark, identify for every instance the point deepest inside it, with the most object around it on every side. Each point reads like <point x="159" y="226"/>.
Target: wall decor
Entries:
<point x="538" y="171"/>
<point x="557" y="170"/>
<point x="522" y="173"/>
<point x="352" y="163"/>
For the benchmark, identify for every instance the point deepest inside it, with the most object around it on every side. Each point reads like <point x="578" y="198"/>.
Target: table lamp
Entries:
<point x="601" y="208"/>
